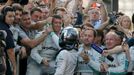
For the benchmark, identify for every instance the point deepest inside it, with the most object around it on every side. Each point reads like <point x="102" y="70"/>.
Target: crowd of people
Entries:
<point x="44" y="37"/>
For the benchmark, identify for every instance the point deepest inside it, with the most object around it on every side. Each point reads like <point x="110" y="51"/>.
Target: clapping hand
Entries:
<point x="85" y="57"/>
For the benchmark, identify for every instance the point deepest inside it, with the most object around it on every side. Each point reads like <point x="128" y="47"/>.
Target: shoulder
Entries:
<point x="17" y="29"/>
<point x="62" y="55"/>
<point x="121" y="55"/>
<point x="63" y="52"/>
<point x="22" y="33"/>
<point x="20" y="29"/>
<point x="3" y="26"/>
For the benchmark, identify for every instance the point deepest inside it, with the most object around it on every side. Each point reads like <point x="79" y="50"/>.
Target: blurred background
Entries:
<point x="125" y="6"/>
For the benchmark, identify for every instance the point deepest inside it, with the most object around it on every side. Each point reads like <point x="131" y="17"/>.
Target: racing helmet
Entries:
<point x="69" y="38"/>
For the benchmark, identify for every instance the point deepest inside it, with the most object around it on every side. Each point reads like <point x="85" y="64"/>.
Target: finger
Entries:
<point x="46" y="63"/>
<point x="102" y="68"/>
<point x="82" y="54"/>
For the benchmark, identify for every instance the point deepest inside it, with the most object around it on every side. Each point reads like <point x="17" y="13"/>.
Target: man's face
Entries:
<point x="94" y="14"/>
<point x="88" y="37"/>
<point x="36" y="16"/>
<point x="57" y="24"/>
<point x="18" y="15"/>
<point x="45" y="13"/>
<point x="26" y="20"/>
<point x="111" y="40"/>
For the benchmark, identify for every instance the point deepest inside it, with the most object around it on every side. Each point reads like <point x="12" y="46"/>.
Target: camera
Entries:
<point x="114" y="16"/>
<point x="22" y="2"/>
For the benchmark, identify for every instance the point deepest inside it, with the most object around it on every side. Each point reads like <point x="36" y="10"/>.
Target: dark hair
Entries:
<point x="79" y="18"/>
<point x="133" y="18"/>
<point x="17" y="7"/>
<point x="88" y="24"/>
<point x="35" y="9"/>
<point x="25" y="12"/>
<point x="120" y="34"/>
<point x="111" y="27"/>
<point x="6" y="9"/>
<point x="57" y="16"/>
<point x="100" y="33"/>
<point x="4" y="12"/>
<point x="22" y="2"/>
<point x="95" y="32"/>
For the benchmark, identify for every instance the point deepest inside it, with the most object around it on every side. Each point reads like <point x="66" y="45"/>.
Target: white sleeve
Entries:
<point x="55" y="39"/>
<point x="35" y="54"/>
<point x="94" y="65"/>
<point x="61" y="63"/>
<point x="122" y="63"/>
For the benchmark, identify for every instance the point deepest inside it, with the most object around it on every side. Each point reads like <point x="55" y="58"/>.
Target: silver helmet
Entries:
<point x="69" y="38"/>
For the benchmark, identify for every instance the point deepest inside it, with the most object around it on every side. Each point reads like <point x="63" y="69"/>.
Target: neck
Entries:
<point x="57" y="33"/>
<point x="24" y="28"/>
<point x="86" y="47"/>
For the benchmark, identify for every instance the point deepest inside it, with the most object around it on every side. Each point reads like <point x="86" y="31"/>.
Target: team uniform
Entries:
<point x="85" y="68"/>
<point x="66" y="62"/>
<point x="131" y="64"/>
<point x="116" y="67"/>
<point x="46" y="50"/>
